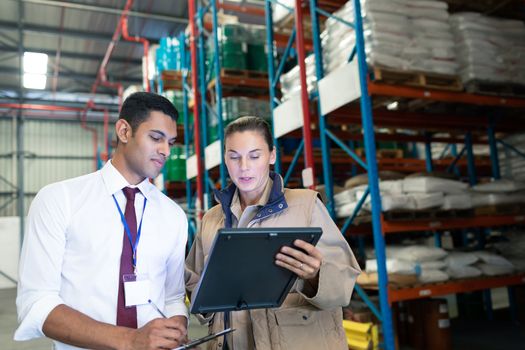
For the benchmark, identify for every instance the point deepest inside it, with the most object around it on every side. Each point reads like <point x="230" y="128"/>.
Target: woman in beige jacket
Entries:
<point x="311" y="315"/>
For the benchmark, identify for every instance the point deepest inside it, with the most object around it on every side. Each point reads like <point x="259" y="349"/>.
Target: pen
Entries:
<point x="156" y="308"/>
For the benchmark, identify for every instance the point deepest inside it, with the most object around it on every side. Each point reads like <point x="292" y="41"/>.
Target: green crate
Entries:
<point x="234" y="32"/>
<point x="257" y="59"/>
<point x="176" y="97"/>
<point x="176" y="164"/>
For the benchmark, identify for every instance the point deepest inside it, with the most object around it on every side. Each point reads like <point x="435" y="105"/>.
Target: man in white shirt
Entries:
<point x="81" y="282"/>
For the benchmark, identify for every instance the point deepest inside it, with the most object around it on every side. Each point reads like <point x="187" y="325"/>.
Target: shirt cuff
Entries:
<point x="177" y="308"/>
<point x="31" y="324"/>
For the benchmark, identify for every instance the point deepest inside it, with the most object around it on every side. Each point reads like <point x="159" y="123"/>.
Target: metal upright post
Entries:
<point x="325" y="144"/>
<point x="218" y="90"/>
<point x="271" y="76"/>
<point x="454" y="153"/>
<point x="373" y="181"/>
<point x="494" y="161"/>
<point x="307" y="132"/>
<point x="470" y="159"/>
<point x="204" y="120"/>
<point x="184" y="66"/>
<point x="196" y="99"/>
<point x="20" y="127"/>
<point x="428" y="152"/>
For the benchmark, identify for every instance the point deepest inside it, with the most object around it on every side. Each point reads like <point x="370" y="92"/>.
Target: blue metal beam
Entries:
<point x="373" y="181"/>
<point x="454" y="153"/>
<point x="325" y="143"/>
<point x="347" y="149"/>
<point x="295" y="159"/>
<point x="187" y="135"/>
<point x="512" y="148"/>
<point x="218" y="90"/>
<point x="204" y="118"/>
<point x="271" y="74"/>
<point x="368" y="302"/>
<point x="494" y="161"/>
<point x="284" y="57"/>
<point x="458" y="157"/>
<point x="444" y="151"/>
<point x="428" y="153"/>
<point x="338" y="19"/>
<point x="357" y="209"/>
<point x="470" y="159"/>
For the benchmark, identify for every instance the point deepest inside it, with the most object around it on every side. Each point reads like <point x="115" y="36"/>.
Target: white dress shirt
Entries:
<point x="72" y="247"/>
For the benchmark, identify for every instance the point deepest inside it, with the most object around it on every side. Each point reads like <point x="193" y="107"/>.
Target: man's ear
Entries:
<point x="123" y="130"/>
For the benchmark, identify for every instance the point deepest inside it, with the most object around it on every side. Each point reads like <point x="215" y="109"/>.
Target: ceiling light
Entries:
<point x="35" y="81"/>
<point x="35" y="62"/>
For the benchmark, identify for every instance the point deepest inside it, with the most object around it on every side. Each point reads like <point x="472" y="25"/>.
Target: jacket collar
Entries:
<point x="276" y="201"/>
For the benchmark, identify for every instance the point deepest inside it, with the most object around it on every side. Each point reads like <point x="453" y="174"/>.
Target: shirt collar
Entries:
<point x="115" y="181"/>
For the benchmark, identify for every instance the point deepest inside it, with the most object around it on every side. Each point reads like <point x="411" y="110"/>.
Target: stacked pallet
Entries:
<point x="406" y="42"/>
<point x="235" y="107"/>
<point x="491" y="53"/>
<point x="242" y="50"/>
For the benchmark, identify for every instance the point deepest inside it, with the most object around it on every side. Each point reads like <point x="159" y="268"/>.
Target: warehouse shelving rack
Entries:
<point x="211" y="156"/>
<point x="385" y="312"/>
<point x="351" y="114"/>
<point x="363" y="116"/>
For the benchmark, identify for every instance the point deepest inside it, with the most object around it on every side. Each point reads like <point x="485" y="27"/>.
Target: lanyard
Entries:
<point x="128" y="231"/>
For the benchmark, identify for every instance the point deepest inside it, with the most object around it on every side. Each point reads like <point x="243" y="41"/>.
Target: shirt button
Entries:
<point x="305" y="317"/>
<point x="220" y="344"/>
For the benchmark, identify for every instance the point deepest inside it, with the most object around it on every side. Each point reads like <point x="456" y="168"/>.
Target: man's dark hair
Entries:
<point x="250" y="123"/>
<point x="136" y="108"/>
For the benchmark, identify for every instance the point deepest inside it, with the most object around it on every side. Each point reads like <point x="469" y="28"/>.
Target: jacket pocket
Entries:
<point x="299" y="328"/>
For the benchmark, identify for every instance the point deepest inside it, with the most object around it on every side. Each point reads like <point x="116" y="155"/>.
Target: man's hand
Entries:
<point x="160" y="333"/>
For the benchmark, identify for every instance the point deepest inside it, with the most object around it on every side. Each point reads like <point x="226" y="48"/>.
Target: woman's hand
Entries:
<point x="304" y="260"/>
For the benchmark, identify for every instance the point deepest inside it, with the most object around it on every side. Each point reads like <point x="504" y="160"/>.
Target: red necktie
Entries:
<point x="127" y="316"/>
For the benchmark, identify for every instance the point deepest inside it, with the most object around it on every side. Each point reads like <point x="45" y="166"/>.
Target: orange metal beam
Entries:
<point x="455" y="286"/>
<point x="38" y="107"/>
<point x="239" y="82"/>
<point x="418" y="225"/>
<point x="250" y="10"/>
<point x="443" y="96"/>
<point x="451" y="223"/>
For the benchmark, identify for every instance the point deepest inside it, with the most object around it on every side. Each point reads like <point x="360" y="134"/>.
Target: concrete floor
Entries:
<point x="472" y="334"/>
<point x="8" y="324"/>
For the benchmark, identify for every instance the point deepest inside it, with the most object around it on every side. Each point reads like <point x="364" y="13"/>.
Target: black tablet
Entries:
<point x="241" y="273"/>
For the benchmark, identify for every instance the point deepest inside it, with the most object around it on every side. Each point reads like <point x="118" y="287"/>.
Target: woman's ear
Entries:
<point x="123" y="130"/>
<point x="273" y="156"/>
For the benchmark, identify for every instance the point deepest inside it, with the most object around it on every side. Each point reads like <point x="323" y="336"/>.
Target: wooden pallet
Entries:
<point x="419" y="79"/>
<point x="171" y="79"/>
<point x="407" y="215"/>
<point x="257" y="75"/>
<point x="500" y="209"/>
<point x="243" y="73"/>
<point x="234" y="72"/>
<point x="287" y="24"/>
<point x="382" y="153"/>
<point x="495" y="89"/>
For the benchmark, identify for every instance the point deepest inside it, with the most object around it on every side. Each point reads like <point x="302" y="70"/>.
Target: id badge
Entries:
<point x="136" y="289"/>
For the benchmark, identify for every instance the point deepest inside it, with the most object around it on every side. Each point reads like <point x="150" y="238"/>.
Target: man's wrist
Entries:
<point x="125" y="338"/>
